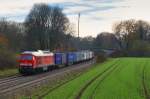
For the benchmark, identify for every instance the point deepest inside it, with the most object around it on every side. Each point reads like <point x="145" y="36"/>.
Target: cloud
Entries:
<point x="103" y="1"/>
<point x="12" y="8"/>
<point x="86" y="6"/>
<point x="91" y="10"/>
<point x="87" y="10"/>
<point x="96" y="15"/>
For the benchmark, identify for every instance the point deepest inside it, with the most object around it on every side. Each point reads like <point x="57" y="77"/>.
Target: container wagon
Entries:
<point x="60" y="59"/>
<point x="71" y="58"/>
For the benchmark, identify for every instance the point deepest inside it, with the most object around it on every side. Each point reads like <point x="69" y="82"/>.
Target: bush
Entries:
<point x="100" y="57"/>
<point x="7" y="59"/>
<point x="118" y="53"/>
<point x="140" y="48"/>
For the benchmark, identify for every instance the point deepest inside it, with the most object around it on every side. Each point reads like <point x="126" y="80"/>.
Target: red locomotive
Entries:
<point x="31" y="61"/>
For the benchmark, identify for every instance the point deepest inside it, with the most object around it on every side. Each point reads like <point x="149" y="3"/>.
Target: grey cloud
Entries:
<point x="90" y="4"/>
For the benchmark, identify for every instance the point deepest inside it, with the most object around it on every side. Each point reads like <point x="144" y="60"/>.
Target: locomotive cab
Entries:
<point x="35" y="61"/>
<point x="26" y="60"/>
<point x="26" y="63"/>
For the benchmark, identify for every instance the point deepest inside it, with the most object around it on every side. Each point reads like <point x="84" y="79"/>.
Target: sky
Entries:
<point x="96" y="15"/>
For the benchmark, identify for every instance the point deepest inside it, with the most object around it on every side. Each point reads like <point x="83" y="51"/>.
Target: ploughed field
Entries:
<point x="120" y="78"/>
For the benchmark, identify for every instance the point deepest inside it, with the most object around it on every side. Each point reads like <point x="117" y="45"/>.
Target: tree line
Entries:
<point x="130" y="37"/>
<point x="48" y="28"/>
<point x="45" y="28"/>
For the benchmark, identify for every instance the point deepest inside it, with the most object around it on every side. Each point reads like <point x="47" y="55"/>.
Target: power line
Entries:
<point x="78" y="24"/>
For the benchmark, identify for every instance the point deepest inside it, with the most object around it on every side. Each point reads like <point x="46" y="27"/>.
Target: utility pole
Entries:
<point x="78" y="24"/>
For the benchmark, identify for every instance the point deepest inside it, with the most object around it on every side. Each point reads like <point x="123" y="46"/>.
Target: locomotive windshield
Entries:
<point x="26" y="57"/>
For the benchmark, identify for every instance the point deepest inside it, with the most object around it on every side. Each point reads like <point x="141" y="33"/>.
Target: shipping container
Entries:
<point x="60" y="59"/>
<point x="71" y="58"/>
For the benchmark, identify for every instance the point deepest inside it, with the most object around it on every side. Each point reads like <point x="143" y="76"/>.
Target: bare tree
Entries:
<point x="13" y="33"/>
<point x="125" y="32"/>
<point x="132" y="35"/>
<point x="46" y="27"/>
<point x="106" y="40"/>
<point x="37" y="25"/>
<point x="142" y="29"/>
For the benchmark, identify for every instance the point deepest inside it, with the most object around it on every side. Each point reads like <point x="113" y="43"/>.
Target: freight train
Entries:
<point x="37" y="61"/>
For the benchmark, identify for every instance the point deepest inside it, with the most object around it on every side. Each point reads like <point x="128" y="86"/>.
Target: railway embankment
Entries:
<point x="18" y="86"/>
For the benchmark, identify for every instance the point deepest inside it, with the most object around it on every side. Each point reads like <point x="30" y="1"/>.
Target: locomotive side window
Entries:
<point x="26" y="57"/>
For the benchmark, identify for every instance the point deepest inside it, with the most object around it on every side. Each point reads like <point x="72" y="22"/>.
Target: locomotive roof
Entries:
<point x="38" y="53"/>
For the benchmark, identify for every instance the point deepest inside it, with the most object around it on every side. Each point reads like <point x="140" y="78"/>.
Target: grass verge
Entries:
<point x="8" y="72"/>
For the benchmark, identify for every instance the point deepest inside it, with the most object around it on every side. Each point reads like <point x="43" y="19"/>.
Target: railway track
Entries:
<point x="3" y="80"/>
<point x="102" y="75"/>
<point x="9" y="85"/>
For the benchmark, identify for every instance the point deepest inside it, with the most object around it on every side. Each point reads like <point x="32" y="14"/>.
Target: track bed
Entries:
<point x="12" y="87"/>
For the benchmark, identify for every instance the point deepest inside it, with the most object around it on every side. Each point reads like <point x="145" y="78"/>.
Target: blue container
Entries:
<point x="79" y="56"/>
<point x="75" y="57"/>
<point x="60" y="58"/>
<point x="71" y="57"/>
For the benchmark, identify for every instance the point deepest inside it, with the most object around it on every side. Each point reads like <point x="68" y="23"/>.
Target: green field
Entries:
<point x="120" y="78"/>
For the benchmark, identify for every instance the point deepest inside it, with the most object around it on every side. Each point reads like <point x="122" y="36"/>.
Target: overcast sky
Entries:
<point x="96" y="15"/>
